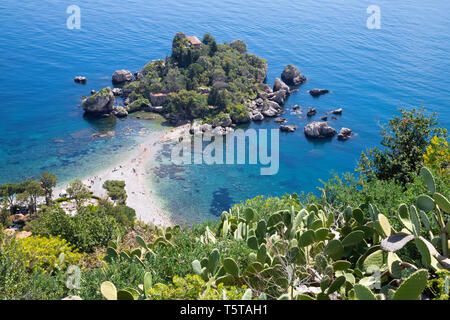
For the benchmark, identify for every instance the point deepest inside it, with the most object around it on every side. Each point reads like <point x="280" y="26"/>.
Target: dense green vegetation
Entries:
<point x="205" y="80"/>
<point x="377" y="233"/>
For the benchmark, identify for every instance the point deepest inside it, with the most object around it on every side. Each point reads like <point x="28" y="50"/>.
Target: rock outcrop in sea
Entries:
<point x="100" y="103"/>
<point x="292" y="75"/>
<point x="345" y="134"/>
<point x="319" y="130"/>
<point x="318" y="92"/>
<point x="122" y="76"/>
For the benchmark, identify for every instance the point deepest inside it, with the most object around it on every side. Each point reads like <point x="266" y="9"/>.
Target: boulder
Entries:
<point x="121" y="76"/>
<point x="259" y="102"/>
<point x="19" y="219"/>
<point x="221" y="131"/>
<point x="296" y="107"/>
<point x="196" y="128"/>
<point x="100" y="103"/>
<point x="319" y="130"/>
<point x="311" y="112"/>
<point x="292" y="76"/>
<point x="206" y="127"/>
<point x="318" y="92"/>
<point x="280" y="120"/>
<point x="337" y="111"/>
<point x="257" y="116"/>
<point x="280" y="85"/>
<point x="120" y="112"/>
<point x="80" y="79"/>
<point x="324" y="118"/>
<point x="278" y="97"/>
<point x="117" y="92"/>
<point x="23" y="234"/>
<point x="344" y="134"/>
<point x="288" y="128"/>
<point x="93" y="92"/>
<point x="271" y="109"/>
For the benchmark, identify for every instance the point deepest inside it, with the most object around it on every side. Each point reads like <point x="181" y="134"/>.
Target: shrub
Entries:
<point x="18" y="282"/>
<point x="437" y="156"/>
<point x="193" y="287"/>
<point x="405" y="140"/>
<point x="440" y="285"/>
<point x="46" y="255"/>
<point x="90" y="228"/>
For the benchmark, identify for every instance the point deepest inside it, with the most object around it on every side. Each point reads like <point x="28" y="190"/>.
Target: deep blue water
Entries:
<point x="370" y="74"/>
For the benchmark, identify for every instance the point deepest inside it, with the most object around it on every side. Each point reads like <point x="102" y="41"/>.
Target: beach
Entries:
<point x="133" y="171"/>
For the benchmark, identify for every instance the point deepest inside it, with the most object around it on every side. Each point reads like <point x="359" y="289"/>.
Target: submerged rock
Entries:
<point x="344" y="134"/>
<point x="280" y="120"/>
<point x="337" y="111"/>
<point x="100" y="103"/>
<point x="319" y="130"/>
<point x="318" y="92"/>
<point x="288" y="128"/>
<point x="292" y="76"/>
<point x="121" y="76"/>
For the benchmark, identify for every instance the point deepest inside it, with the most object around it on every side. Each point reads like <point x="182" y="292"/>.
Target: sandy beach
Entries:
<point x="140" y="196"/>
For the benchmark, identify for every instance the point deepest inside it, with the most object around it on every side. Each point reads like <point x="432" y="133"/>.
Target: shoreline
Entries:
<point x="133" y="171"/>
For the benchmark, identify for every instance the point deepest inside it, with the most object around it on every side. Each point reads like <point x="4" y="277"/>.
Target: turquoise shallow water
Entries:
<point x="370" y="74"/>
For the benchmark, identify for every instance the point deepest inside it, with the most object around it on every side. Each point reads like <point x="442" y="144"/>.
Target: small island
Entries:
<point x="211" y="85"/>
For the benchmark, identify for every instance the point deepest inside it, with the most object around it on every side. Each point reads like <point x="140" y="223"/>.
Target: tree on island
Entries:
<point x="78" y="192"/>
<point x="48" y="182"/>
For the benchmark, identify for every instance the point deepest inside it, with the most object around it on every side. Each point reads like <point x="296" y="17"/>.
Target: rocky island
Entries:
<point x="213" y="86"/>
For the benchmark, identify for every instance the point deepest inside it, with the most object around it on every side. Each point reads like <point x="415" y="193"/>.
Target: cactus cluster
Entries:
<point x="316" y="252"/>
<point x="321" y="253"/>
<point x="145" y="251"/>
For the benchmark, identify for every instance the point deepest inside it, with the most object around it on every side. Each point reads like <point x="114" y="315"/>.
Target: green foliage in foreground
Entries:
<point x="306" y="252"/>
<point x="89" y="229"/>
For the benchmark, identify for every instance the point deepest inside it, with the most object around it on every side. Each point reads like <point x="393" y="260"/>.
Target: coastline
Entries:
<point x="132" y="170"/>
